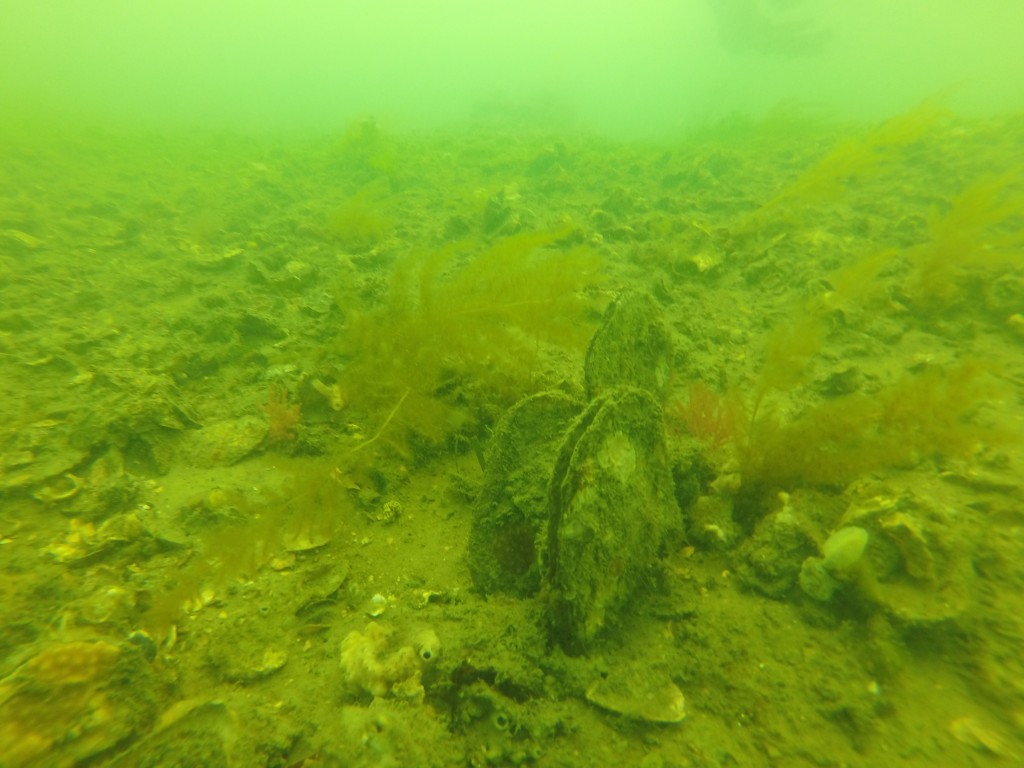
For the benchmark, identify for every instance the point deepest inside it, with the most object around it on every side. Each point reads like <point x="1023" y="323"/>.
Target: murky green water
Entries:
<point x="440" y="384"/>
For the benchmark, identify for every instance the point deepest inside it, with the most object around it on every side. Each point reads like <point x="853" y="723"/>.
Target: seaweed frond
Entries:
<point x="463" y="329"/>
<point x="283" y="416"/>
<point x="922" y="415"/>
<point x="360" y="221"/>
<point x="791" y="345"/>
<point x="983" y="229"/>
<point x="855" y="158"/>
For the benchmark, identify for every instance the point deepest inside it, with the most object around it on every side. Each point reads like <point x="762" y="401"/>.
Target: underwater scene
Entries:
<point x="524" y="434"/>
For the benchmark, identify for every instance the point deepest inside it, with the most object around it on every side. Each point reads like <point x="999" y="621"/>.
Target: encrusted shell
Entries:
<point x="612" y="508"/>
<point x="638" y="693"/>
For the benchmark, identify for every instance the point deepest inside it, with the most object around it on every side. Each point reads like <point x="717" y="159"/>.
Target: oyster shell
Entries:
<point x="639" y="693"/>
<point x="511" y="516"/>
<point x="612" y="511"/>
<point x="632" y="347"/>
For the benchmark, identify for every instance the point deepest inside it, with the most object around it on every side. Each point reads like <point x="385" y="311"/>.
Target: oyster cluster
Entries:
<point x="578" y="502"/>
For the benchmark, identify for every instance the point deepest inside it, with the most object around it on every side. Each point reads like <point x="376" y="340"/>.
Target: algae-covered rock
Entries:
<point x="769" y="561"/>
<point x="388" y="732"/>
<point x="917" y="561"/>
<point x="613" y="510"/>
<point x="499" y="730"/>
<point x="191" y="732"/>
<point x="70" y="702"/>
<point x="816" y="581"/>
<point x="41" y="453"/>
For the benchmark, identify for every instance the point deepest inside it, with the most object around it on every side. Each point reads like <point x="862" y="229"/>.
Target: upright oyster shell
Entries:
<point x="511" y="516"/>
<point x="579" y="501"/>
<point x="633" y="347"/>
<point x="612" y="511"/>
